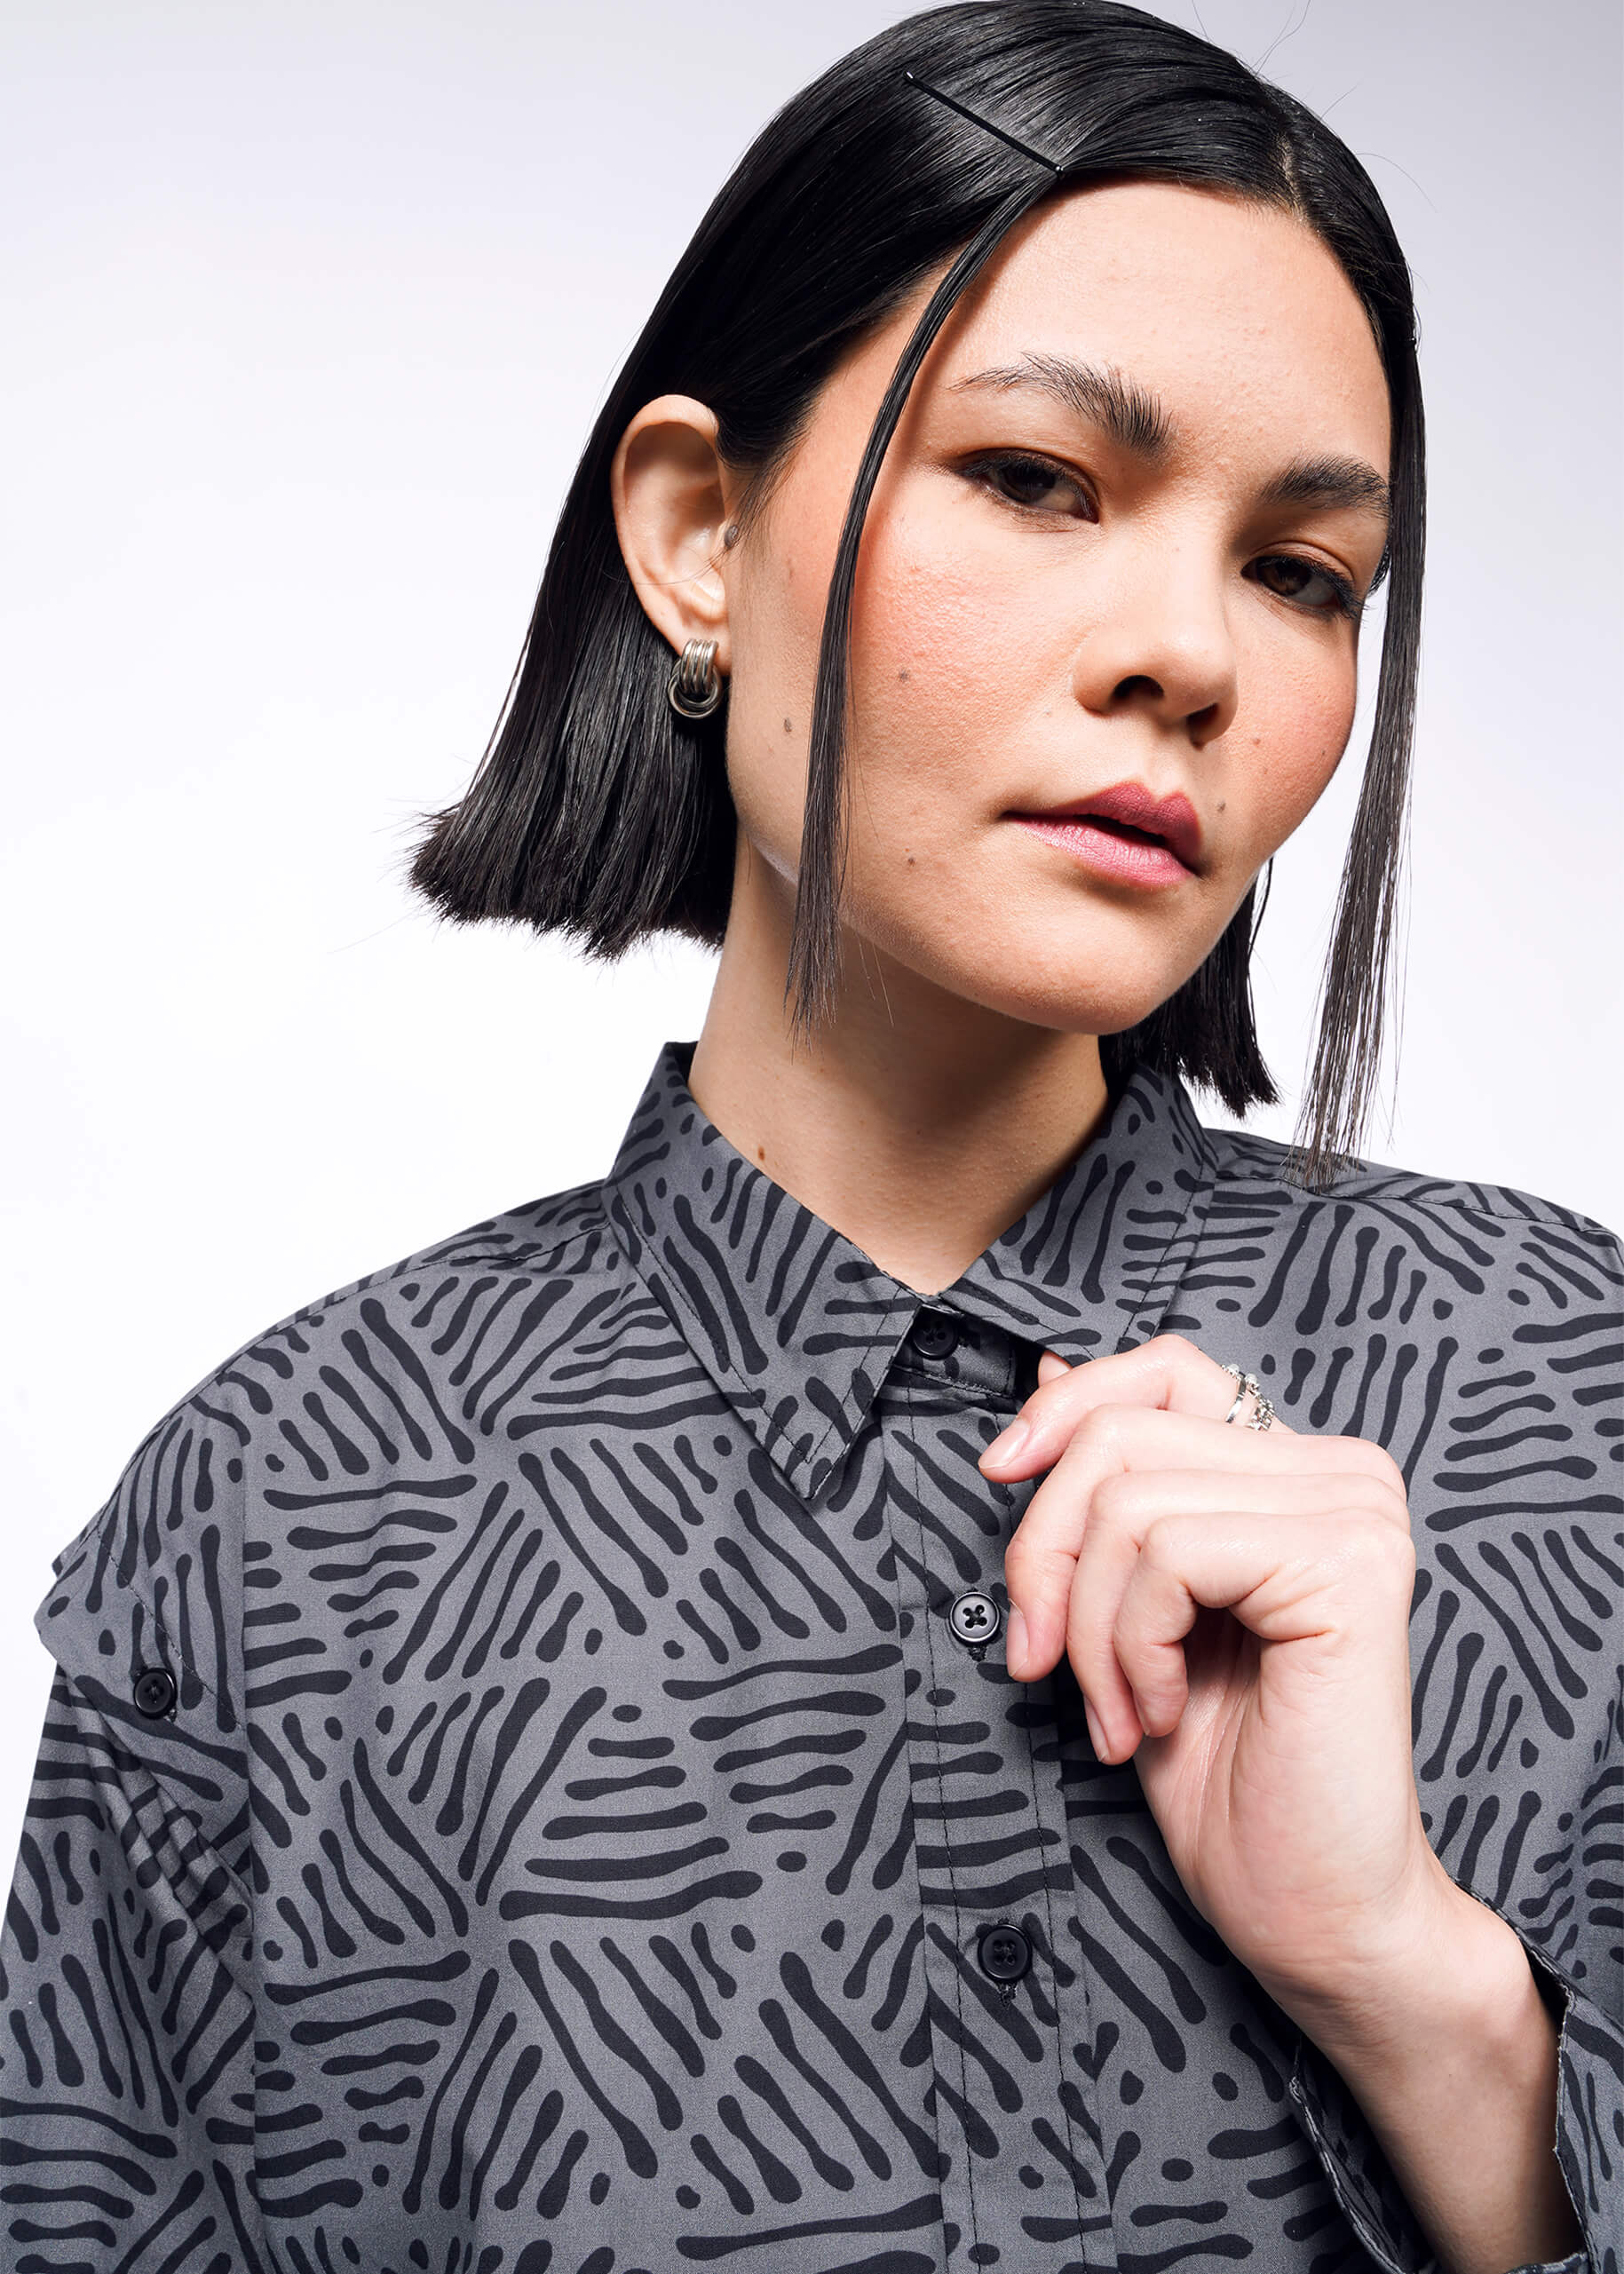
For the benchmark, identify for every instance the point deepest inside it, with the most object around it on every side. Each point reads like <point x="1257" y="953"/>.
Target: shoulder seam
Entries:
<point x="1541" y="1209"/>
<point x="324" y="1305"/>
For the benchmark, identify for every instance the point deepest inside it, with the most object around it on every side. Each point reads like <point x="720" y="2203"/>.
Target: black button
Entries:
<point x="974" y="1617"/>
<point x="933" y="1335"/>
<point x="155" y="1692"/>
<point x="1003" y="1953"/>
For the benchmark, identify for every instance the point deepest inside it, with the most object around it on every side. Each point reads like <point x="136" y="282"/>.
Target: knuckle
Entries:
<point x="1114" y="1497"/>
<point x="1389" y="1503"/>
<point x="1380" y="1548"/>
<point x="1399" y="1551"/>
<point x="1178" y="1347"/>
<point x="1158" y="1543"/>
<point x="1179" y="1361"/>
<point x="1361" y="1495"/>
<point x="1364" y="1467"/>
<point x="1097" y="1425"/>
<point x="1022" y="1561"/>
<point x="1037" y="1566"/>
<point x="1391" y="1474"/>
<point x="1376" y="1462"/>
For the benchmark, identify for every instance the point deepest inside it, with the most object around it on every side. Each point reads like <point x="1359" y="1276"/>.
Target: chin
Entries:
<point x="1076" y="986"/>
<point x="1075" y="970"/>
<point x="1039" y="991"/>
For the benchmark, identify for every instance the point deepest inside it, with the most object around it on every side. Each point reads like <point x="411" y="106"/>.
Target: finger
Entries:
<point x="1158" y="1609"/>
<point x="1116" y="1440"/>
<point x="1123" y="1512"/>
<point x="1284" y="1579"/>
<point x="1051" y="1367"/>
<point x="1070" y="1557"/>
<point x="1166" y="1372"/>
<point x="1086" y="1624"/>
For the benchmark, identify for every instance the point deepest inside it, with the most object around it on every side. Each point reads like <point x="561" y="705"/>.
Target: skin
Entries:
<point x="1234" y="1603"/>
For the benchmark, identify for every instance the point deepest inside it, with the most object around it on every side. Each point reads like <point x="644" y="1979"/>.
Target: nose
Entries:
<point x="1159" y="641"/>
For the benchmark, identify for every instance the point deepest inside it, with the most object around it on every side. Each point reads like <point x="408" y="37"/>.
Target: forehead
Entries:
<point x="1235" y="315"/>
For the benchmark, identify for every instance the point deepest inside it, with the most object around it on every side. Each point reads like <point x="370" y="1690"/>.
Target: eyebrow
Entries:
<point x="1137" y="422"/>
<point x="1128" y="412"/>
<point x="1331" y="481"/>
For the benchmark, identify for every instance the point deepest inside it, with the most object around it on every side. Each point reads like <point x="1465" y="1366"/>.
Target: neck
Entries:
<point x="918" y="1124"/>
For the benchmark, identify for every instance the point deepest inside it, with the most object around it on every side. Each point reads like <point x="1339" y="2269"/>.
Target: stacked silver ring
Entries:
<point x="1262" y="1418"/>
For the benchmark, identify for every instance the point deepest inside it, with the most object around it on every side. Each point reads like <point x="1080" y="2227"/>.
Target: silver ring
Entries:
<point x="695" y="685"/>
<point x="1262" y="1418"/>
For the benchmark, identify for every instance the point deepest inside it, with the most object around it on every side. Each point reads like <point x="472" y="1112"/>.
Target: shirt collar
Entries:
<point x="797" y="1327"/>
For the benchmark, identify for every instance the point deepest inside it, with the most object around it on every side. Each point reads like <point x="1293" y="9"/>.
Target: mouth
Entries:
<point x="1126" y="833"/>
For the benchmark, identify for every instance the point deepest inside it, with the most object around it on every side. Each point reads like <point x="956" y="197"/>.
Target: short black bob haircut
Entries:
<point x="599" y="813"/>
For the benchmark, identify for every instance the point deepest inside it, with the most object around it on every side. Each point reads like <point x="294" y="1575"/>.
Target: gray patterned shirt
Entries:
<point x="531" y="1780"/>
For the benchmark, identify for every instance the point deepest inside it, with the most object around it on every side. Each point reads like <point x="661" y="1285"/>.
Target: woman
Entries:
<point x="949" y="1668"/>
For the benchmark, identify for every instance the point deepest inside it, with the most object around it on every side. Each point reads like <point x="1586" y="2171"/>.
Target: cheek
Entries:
<point x="944" y="664"/>
<point x="933" y="618"/>
<point x="939" y="681"/>
<point x="1295" y="716"/>
<point x="775" y="621"/>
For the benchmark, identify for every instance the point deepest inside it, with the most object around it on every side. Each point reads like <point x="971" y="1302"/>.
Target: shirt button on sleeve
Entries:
<point x="154" y="1690"/>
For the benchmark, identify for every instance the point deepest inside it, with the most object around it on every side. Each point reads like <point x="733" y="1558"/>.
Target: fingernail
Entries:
<point x="1015" y="1644"/>
<point x="1094" y="1731"/>
<point x="1008" y="1444"/>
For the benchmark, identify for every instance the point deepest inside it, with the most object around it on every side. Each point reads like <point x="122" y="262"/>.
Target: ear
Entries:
<point x="670" y="491"/>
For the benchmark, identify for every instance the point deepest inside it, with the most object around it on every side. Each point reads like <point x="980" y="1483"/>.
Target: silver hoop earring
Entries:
<point x="695" y="685"/>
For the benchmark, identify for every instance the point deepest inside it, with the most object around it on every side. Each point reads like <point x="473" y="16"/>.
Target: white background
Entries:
<point x="308" y="312"/>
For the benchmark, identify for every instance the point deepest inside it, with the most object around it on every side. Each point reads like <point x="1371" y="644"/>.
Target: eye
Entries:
<point x="1020" y="478"/>
<point x="1308" y="584"/>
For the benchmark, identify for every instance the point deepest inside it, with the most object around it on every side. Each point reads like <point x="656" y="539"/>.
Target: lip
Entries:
<point x="1168" y="854"/>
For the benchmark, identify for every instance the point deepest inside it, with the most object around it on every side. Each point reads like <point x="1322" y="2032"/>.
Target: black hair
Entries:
<point x="597" y="811"/>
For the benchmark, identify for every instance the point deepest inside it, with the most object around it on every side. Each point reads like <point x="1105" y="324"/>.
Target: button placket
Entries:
<point x="989" y="1842"/>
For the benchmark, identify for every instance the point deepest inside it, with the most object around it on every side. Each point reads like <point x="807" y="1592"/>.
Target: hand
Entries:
<point x="1235" y="1604"/>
